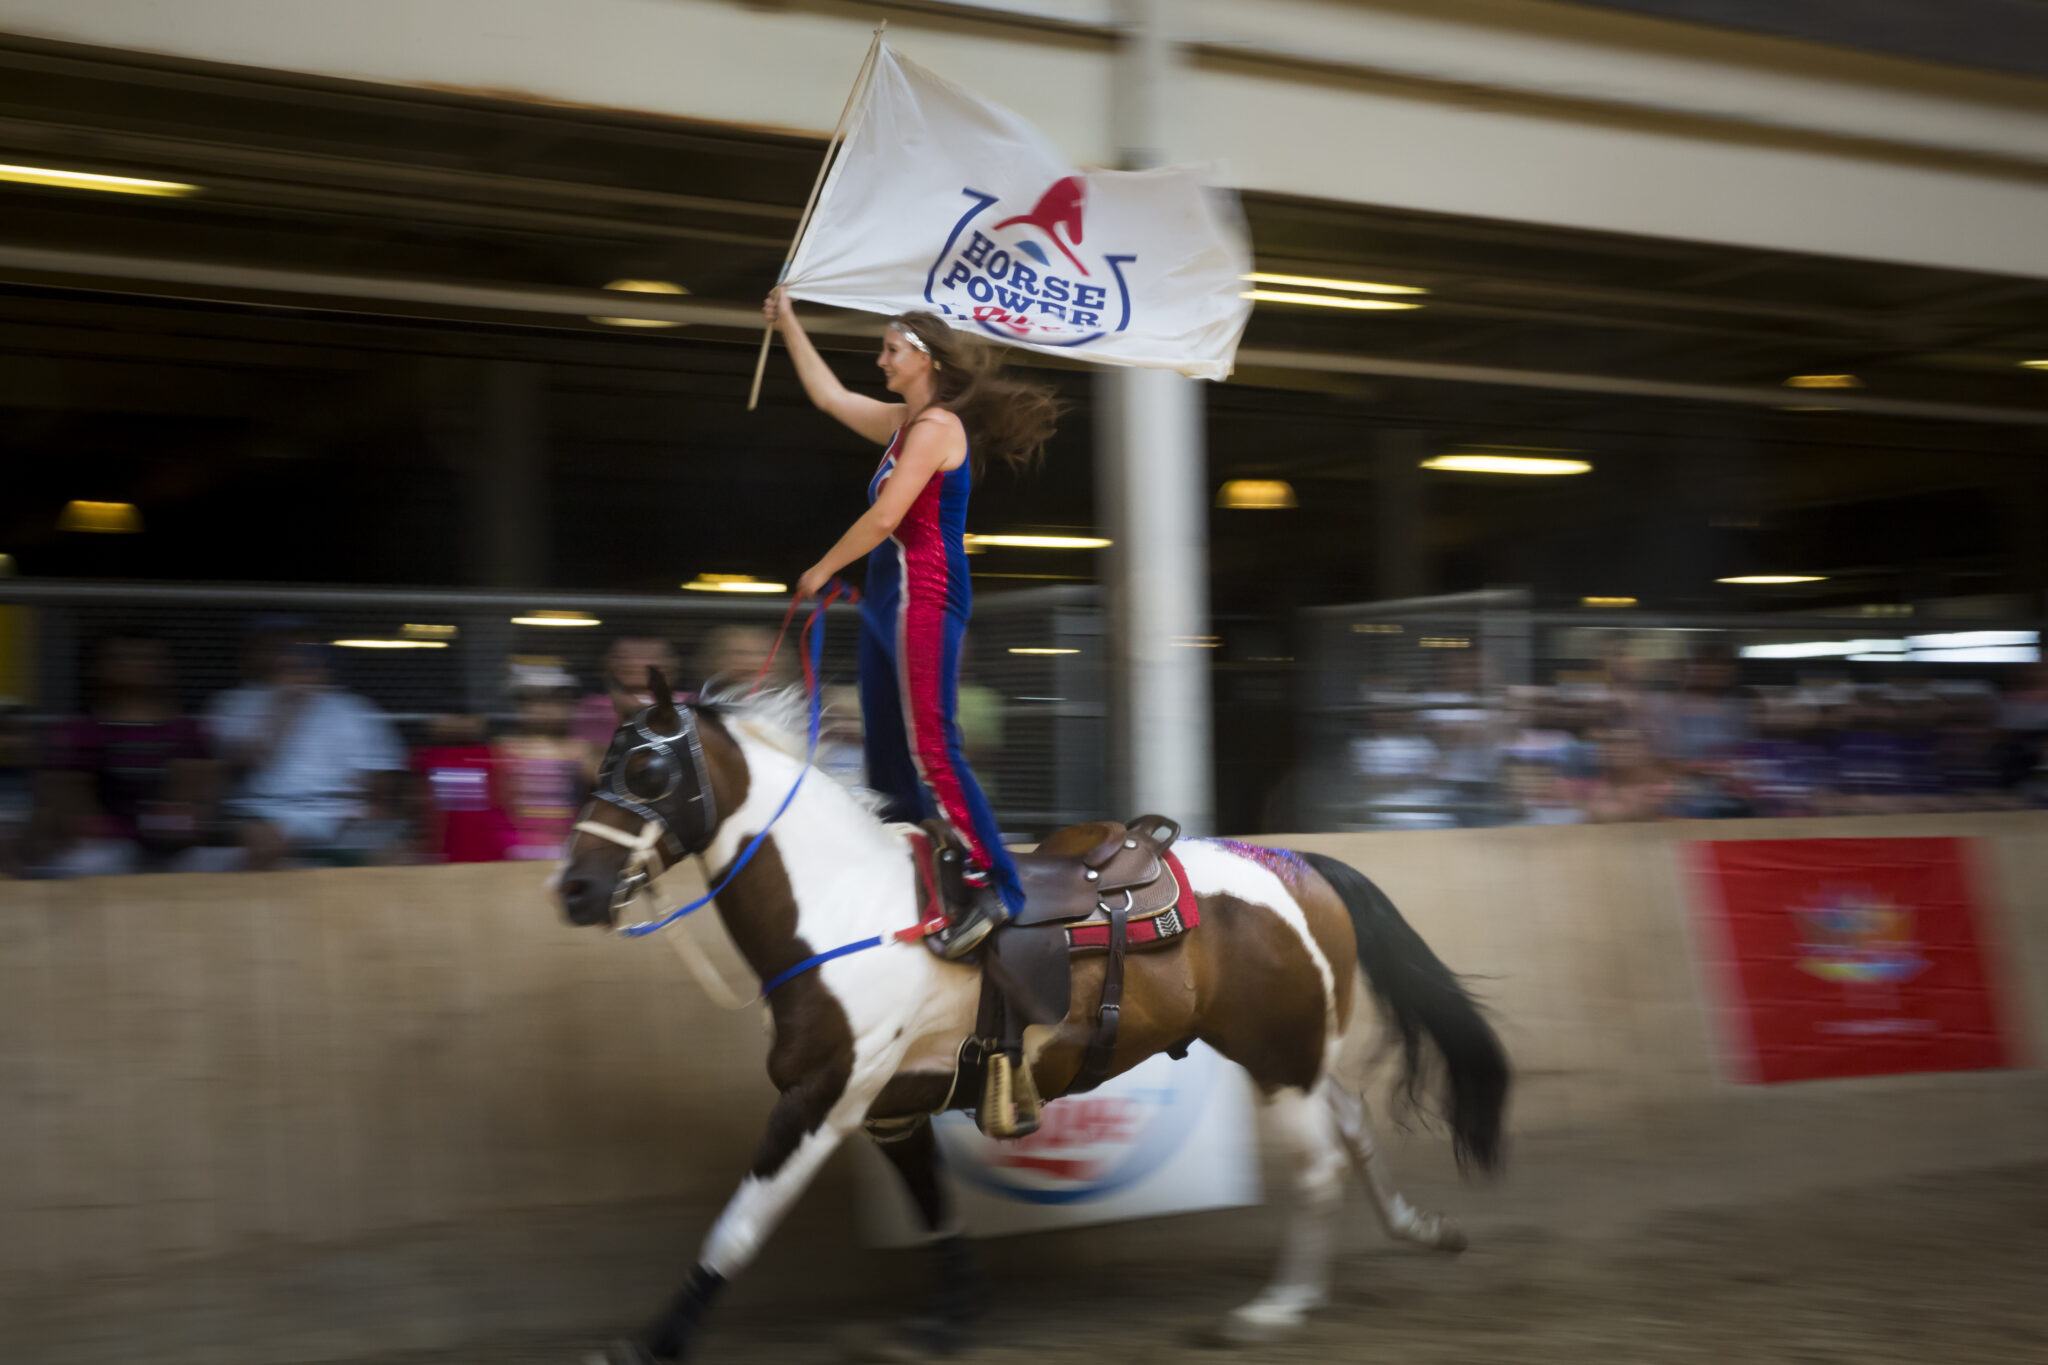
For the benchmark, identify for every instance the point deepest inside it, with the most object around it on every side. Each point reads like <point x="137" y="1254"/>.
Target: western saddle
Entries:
<point x="1085" y="888"/>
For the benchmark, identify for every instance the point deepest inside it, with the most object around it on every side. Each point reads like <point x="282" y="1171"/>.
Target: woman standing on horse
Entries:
<point x="956" y="413"/>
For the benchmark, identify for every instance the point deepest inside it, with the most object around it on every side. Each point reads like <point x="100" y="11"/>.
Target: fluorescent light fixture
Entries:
<point x="107" y="518"/>
<point x="1476" y="462"/>
<point x="1319" y="282"/>
<point x="6" y="566"/>
<point x="1034" y="650"/>
<point x="2035" y="364"/>
<point x="556" y="618"/>
<point x="1973" y="639"/>
<point x="392" y="644"/>
<point x="1039" y="542"/>
<point x="1770" y="580"/>
<point x="1823" y="381"/>
<point x="1196" y="641"/>
<point x="1827" y="649"/>
<point x="1255" y="494"/>
<point x="731" y="582"/>
<point x="1444" y="642"/>
<point x="1961" y="646"/>
<point x="87" y="180"/>
<point x="1323" y="300"/>
<point x="1607" y="601"/>
<point x="428" y="632"/>
<point x="643" y="287"/>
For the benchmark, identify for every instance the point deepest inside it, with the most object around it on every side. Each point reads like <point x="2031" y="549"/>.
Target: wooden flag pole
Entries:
<point x="860" y="82"/>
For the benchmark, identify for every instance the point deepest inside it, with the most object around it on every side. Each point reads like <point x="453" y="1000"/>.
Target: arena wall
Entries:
<point x="196" y="1067"/>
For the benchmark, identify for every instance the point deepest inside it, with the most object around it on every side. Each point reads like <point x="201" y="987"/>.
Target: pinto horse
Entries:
<point x="870" y="1039"/>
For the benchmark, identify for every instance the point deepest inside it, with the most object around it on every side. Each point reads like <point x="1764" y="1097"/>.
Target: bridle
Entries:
<point x="656" y="846"/>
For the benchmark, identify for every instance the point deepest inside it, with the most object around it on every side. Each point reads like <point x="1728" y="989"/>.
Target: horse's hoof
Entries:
<point x="1270" y="1317"/>
<point x="1451" y="1239"/>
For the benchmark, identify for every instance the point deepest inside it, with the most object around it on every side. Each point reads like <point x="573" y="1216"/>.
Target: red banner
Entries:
<point x="1852" y="957"/>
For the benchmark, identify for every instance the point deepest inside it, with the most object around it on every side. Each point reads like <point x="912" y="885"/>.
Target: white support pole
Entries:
<point x="1152" y="486"/>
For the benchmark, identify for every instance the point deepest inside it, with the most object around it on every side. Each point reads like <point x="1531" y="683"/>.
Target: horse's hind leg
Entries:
<point x="914" y="1152"/>
<point x="1402" y="1220"/>
<point x="1300" y="1283"/>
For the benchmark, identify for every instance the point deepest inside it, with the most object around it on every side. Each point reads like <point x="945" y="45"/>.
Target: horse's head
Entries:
<point x="660" y="794"/>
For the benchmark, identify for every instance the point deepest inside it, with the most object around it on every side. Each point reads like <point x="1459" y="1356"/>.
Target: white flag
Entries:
<point x="942" y="201"/>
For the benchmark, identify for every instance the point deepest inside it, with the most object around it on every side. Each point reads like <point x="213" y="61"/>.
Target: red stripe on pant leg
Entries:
<point x="923" y="662"/>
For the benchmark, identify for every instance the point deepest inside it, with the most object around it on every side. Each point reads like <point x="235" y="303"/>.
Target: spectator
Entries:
<point x="538" y="767"/>
<point x="463" y="824"/>
<point x="304" y="752"/>
<point x="17" y="788"/>
<point x="126" y="787"/>
<point x="626" y="663"/>
<point x="733" y="657"/>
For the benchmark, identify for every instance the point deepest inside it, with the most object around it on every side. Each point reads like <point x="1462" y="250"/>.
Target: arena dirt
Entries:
<point x="1940" y="1270"/>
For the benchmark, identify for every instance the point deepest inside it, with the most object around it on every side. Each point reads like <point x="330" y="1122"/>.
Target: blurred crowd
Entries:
<point x="292" y="769"/>
<point x="1658" y="739"/>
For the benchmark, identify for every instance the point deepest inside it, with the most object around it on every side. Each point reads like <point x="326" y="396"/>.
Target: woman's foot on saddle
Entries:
<point x="982" y="915"/>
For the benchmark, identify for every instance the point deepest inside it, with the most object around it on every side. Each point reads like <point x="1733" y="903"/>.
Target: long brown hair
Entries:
<point x="1006" y="419"/>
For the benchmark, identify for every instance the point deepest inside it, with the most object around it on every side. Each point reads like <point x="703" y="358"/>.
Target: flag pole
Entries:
<point x="860" y="82"/>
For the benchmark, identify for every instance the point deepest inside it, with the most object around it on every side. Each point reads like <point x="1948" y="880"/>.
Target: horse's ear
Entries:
<point x="664" y="716"/>
<point x="625" y="703"/>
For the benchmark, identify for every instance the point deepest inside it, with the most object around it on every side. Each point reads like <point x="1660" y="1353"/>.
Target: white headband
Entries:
<point x="917" y="342"/>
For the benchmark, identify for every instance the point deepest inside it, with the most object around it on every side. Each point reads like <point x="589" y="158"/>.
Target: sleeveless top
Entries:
<point x="927" y="554"/>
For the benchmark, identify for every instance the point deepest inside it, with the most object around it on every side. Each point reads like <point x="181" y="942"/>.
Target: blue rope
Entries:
<point x="815" y="631"/>
<point x="819" y="960"/>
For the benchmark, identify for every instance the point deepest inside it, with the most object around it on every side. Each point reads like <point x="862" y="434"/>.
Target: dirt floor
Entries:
<point x="1942" y="1270"/>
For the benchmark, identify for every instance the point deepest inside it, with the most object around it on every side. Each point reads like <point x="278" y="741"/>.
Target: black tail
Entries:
<point x="1422" y="998"/>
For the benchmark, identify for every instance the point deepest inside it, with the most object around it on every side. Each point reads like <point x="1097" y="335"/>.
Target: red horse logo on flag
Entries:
<point x="1001" y="278"/>
<point x="1058" y="207"/>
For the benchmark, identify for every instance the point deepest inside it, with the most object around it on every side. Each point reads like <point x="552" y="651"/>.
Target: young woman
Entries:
<point x="957" y="412"/>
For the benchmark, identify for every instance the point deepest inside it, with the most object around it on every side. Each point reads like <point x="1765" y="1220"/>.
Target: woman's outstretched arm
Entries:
<point x="870" y="417"/>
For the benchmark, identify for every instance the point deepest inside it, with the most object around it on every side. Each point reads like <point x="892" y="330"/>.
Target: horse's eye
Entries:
<point x="654" y="778"/>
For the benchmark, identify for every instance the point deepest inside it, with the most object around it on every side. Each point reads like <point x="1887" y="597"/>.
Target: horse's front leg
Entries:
<point x="960" y="1296"/>
<point x="808" y="1121"/>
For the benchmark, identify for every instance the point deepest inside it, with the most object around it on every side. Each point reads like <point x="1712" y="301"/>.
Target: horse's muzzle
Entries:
<point x="588" y="900"/>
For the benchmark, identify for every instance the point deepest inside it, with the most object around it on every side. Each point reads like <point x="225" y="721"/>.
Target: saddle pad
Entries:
<point x="1093" y="934"/>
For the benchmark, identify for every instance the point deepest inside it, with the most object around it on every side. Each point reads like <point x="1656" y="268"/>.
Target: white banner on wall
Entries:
<point x="944" y="202"/>
<point x="1164" y="1137"/>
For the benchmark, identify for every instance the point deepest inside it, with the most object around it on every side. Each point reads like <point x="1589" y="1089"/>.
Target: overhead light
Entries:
<point x="556" y="618"/>
<point x="1255" y="494"/>
<point x="6" y="566"/>
<point x="1445" y="642"/>
<point x="1823" y="381"/>
<point x="732" y="582"/>
<point x="2035" y="364"/>
<point x="1196" y="642"/>
<point x="87" y="180"/>
<point x="1771" y="580"/>
<point x="1346" y="286"/>
<point x="1827" y="649"/>
<point x="428" y="632"/>
<point x="1323" y="300"/>
<point x="1040" y="542"/>
<point x="1607" y="601"/>
<point x="108" y="518"/>
<point x="1960" y="646"/>
<point x="1479" y="463"/>
<point x="392" y="644"/>
<point x="1022" y="650"/>
<point x="643" y="287"/>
